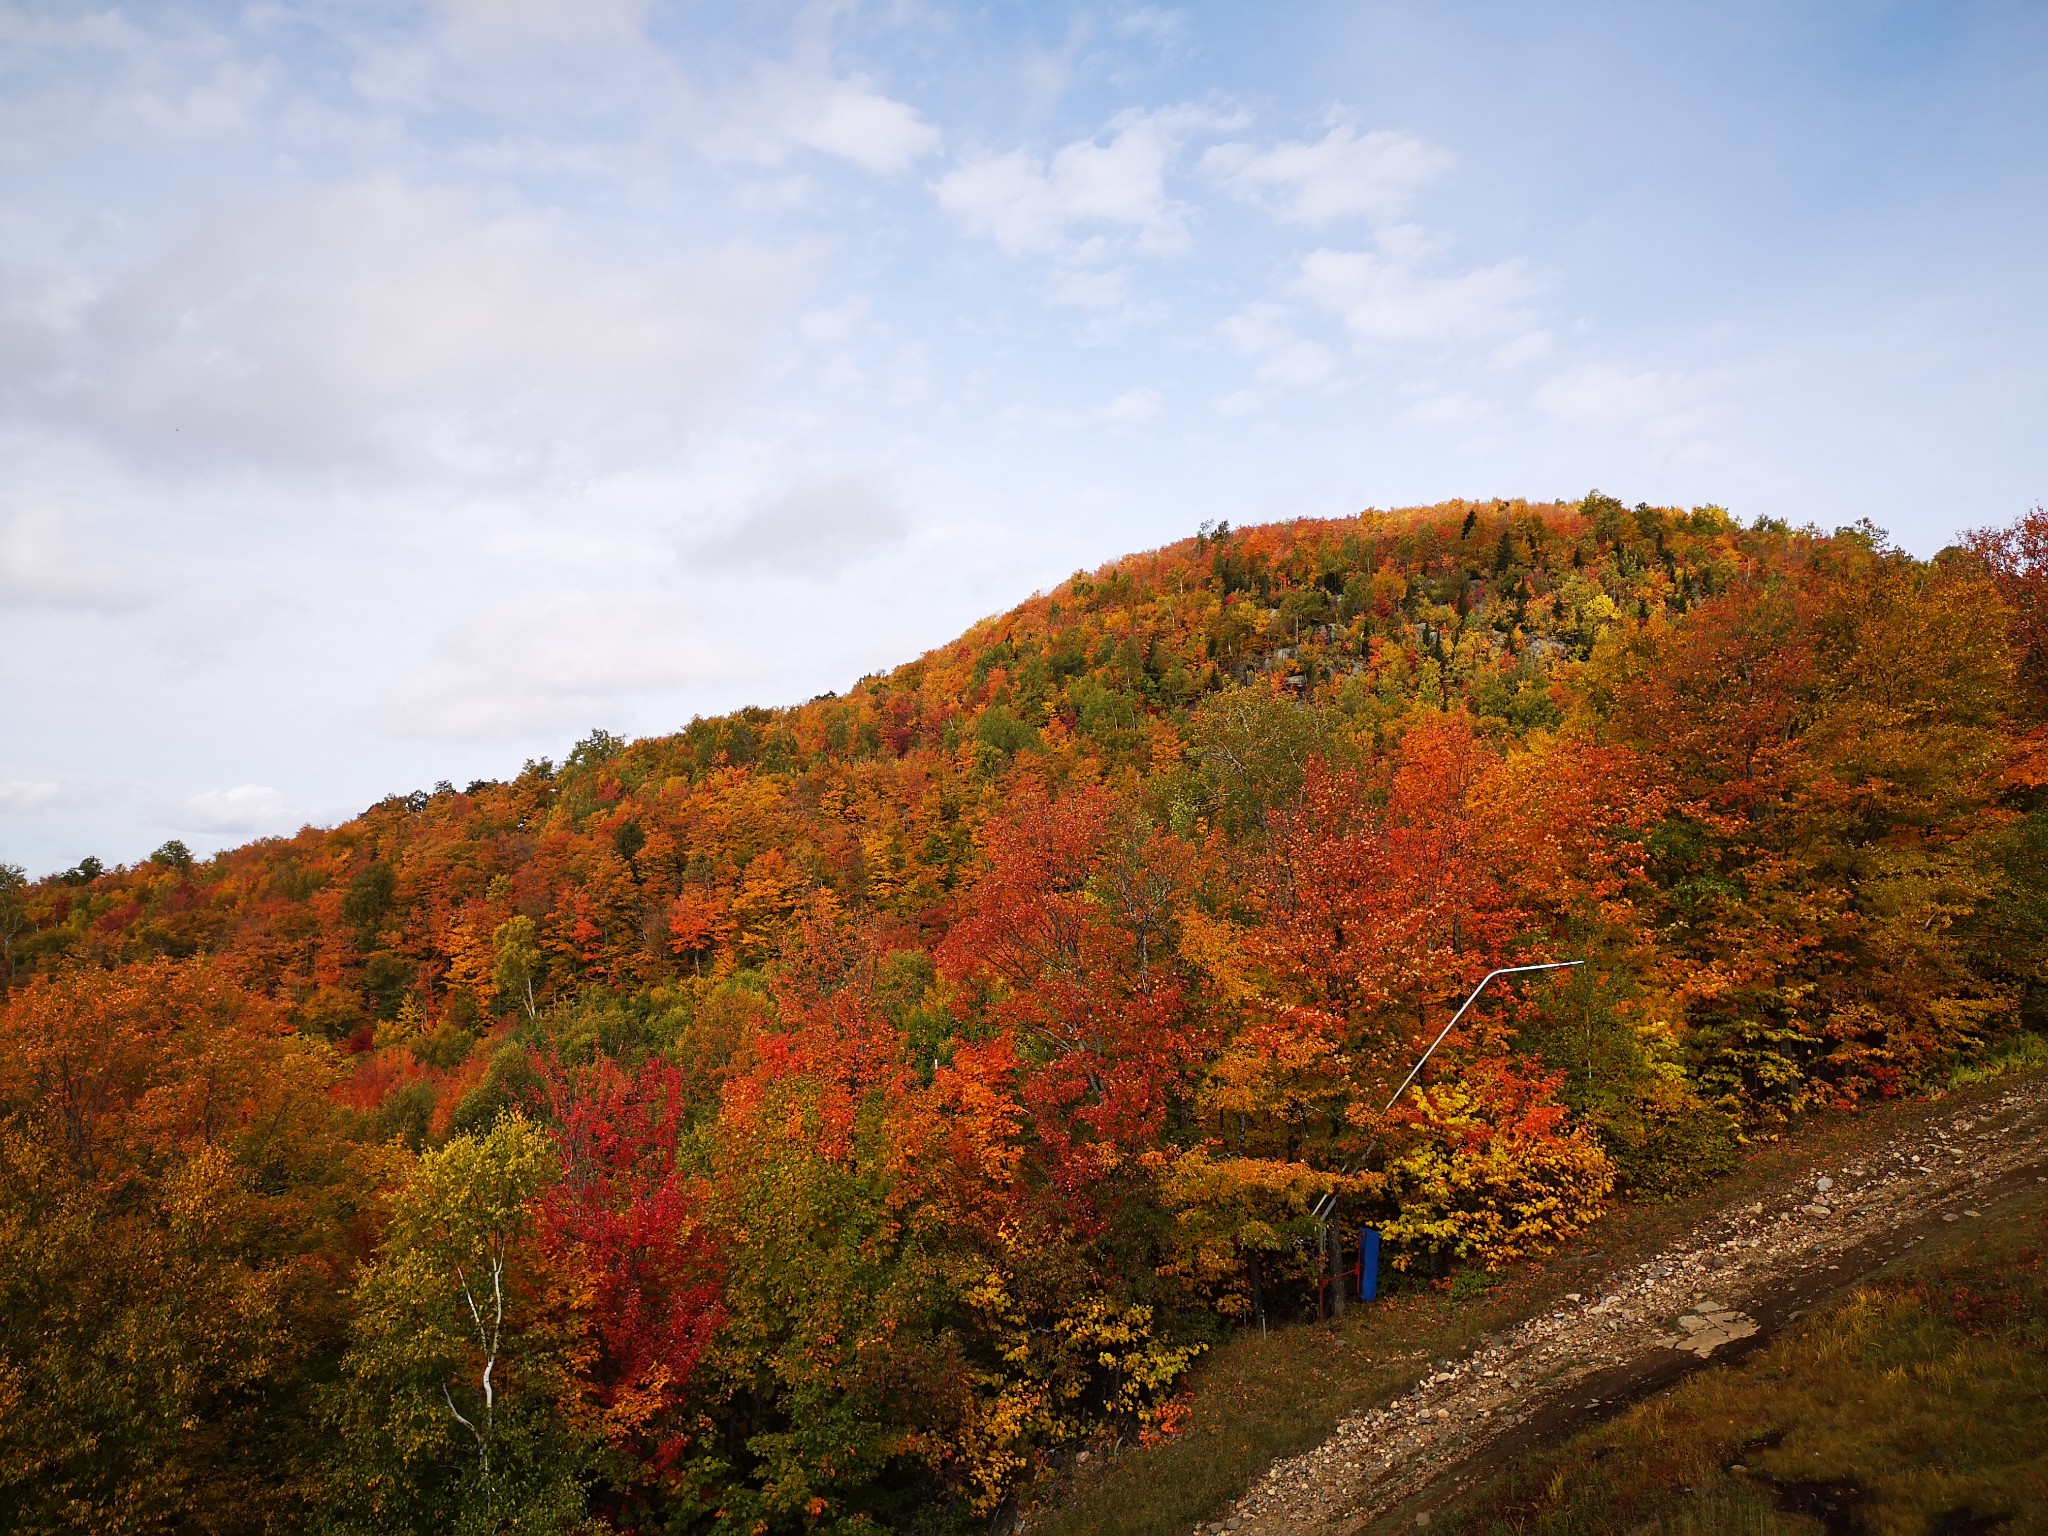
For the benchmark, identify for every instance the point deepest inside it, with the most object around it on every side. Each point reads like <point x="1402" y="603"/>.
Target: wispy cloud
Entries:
<point x="1282" y="359"/>
<point x="1135" y="407"/>
<point x="384" y="326"/>
<point x="44" y="563"/>
<point x="1111" y="182"/>
<point x="1671" y="409"/>
<point x="1341" y="175"/>
<point x="535" y="59"/>
<point x="1159" y="25"/>
<point x="786" y="107"/>
<point x="25" y="797"/>
<point x="247" y="809"/>
<point x="812" y="528"/>
<point x="1393" y="295"/>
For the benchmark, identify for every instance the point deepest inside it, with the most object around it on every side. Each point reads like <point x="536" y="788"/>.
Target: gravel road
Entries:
<point x="1720" y="1290"/>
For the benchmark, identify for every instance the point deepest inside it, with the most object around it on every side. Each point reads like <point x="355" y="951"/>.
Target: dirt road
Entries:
<point x="1719" y="1291"/>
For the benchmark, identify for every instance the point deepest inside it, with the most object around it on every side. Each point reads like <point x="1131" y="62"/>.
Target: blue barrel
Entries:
<point x="1368" y="1263"/>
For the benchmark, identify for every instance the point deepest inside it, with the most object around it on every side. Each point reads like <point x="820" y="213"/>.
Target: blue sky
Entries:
<point x="390" y="392"/>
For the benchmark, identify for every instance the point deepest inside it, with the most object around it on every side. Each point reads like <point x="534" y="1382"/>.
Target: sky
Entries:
<point x="392" y="393"/>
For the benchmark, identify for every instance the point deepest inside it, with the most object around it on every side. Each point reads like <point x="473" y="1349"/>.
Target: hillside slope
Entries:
<point x="1913" y="1401"/>
<point x="1403" y="1407"/>
<point x="848" y="1110"/>
<point x="875" y="796"/>
<point x="1732" y="1284"/>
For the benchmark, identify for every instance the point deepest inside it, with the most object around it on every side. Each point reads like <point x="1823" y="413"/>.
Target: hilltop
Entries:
<point x="875" y="796"/>
<point x="858" y="1108"/>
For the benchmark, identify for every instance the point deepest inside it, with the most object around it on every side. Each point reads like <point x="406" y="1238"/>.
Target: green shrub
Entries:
<point x="1665" y="1152"/>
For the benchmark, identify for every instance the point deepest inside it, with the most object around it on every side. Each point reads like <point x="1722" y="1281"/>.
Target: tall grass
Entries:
<point x="1923" y="1393"/>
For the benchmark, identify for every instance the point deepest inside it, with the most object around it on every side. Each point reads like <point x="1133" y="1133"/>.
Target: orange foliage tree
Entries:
<point x="872" y="1100"/>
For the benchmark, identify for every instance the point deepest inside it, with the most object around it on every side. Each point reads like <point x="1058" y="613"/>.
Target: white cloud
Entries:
<point x="584" y="87"/>
<point x="547" y="25"/>
<point x="43" y="564"/>
<point x="1154" y="23"/>
<point x="1080" y="288"/>
<point x="527" y="59"/>
<point x="1029" y="205"/>
<point x="838" y="325"/>
<point x="846" y="118"/>
<point x="1341" y="175"/>
<point x="1046" y="72"/>
<point x="813" y="528"/>
<point x="1135" y="407"/>
<point x="773" y="194"/>
<point x="25" y="797"/>
<point x="1384" y="296"/>
<point x="1139" y="407"/>
<point x="381" y="325"/>
<point x="1447" y="410"/>
<point x="1605" y="397"/>
<point x="247" y="809"/>
<point x="1525" y="348"/>
<point x="98" y="77"/>
<point x="543" y="665"/>
<point x="1284" y="360"/>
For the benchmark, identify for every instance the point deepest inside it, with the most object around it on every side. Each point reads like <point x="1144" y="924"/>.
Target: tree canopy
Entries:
<point x="822" y="1119"/>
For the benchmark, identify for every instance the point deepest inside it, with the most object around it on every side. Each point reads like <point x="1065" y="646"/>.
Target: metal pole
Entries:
<point x="1506" y="970"/>
<point x="1322" y="1208"/>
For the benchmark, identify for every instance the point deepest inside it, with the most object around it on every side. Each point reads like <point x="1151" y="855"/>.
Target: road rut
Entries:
<point x="1723" y="1289"/>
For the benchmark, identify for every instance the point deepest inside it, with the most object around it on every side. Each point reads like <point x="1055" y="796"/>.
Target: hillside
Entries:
<point x="1407" y="1406"/>
<point x="1913" y="1402"/>
<point x="826" y="1119"/>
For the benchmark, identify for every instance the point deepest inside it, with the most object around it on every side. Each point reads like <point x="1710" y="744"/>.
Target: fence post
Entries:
<point x="1339" y="1292"/>
<point x="1368" y="1263"/>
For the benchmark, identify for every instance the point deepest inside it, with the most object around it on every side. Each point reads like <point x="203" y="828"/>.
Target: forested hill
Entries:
<point x="823" y="1119"/>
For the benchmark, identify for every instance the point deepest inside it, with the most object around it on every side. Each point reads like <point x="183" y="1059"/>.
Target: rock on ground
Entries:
<point x="1696" y="1297"/>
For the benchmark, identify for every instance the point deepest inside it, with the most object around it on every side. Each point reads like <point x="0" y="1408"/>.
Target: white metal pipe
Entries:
<point x="1322" y="1208"/>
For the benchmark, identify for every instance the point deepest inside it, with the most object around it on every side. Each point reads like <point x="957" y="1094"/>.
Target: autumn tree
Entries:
<point x="930" y="1069"/>
<point x="2017" y="558"/>
<point x="1833" y="759"/>
<point x="518" y="962"/>
<point x="624" y="1228"/>
<point x="839" y="1391"/>
<point x="13" y="917"/>
<point x="174" y="1196"/>
<point x="453" y="1409"/>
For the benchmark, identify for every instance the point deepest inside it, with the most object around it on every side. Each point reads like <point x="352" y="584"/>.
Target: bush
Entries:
<point x="1493" y="1172"/>
<point x="1666" y="1151"/>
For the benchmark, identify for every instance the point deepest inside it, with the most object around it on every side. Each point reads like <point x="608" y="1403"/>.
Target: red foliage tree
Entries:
<point x="1063" y="934"/>
<point x="623" y="1221"/>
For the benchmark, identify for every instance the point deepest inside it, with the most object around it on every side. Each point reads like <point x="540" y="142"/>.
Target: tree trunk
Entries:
<point x="1337" y="1296"/>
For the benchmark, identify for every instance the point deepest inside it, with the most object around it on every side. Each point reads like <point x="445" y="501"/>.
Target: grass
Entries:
<point x="2022" y="1052"/>
<point x="1258" y="1398"/>
<point x="1918" y="1402"/>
